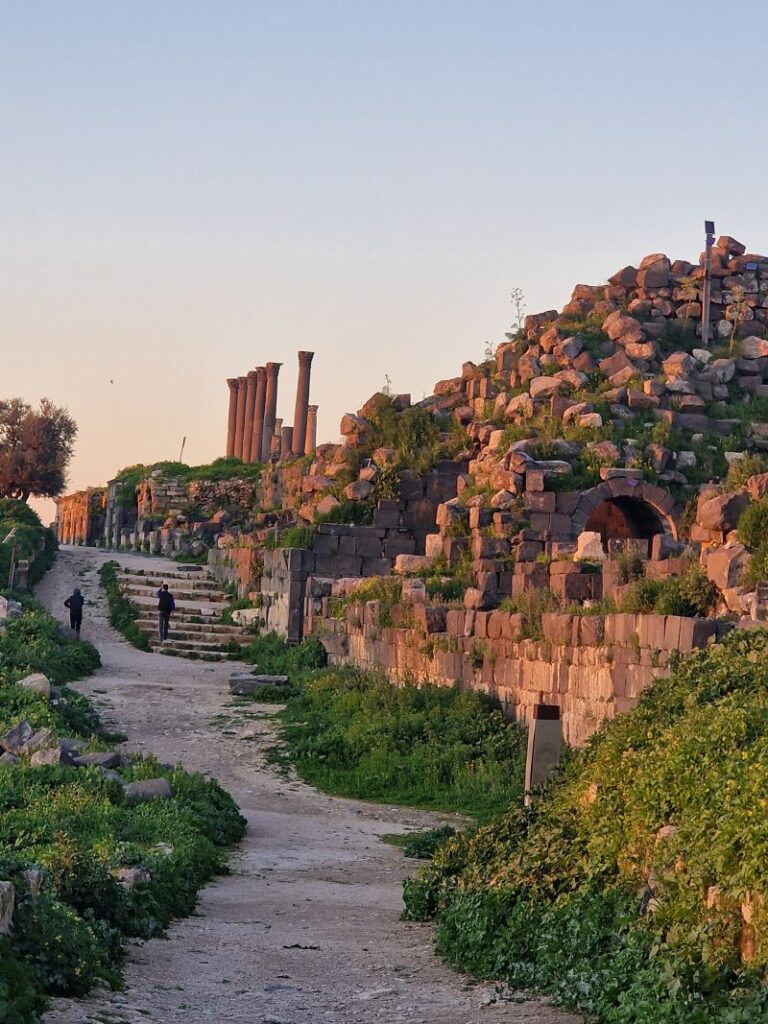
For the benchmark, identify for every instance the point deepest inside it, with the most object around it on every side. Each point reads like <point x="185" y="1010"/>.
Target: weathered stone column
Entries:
<point x="302" y="402"/>
<point x="310" y="441"/>
<point x="258" y="413"/>
<point x="286" y="442"/>
<point x="270" y="410"/>
<point x="242" y="383"/>
<point x="233" y="384"/>
<point x="250" y="401"/>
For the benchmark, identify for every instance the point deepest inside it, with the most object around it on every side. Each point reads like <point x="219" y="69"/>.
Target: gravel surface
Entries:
<point x="306" y="928"/>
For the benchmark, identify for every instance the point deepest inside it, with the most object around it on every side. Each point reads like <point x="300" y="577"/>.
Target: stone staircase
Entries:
<point x="197" y="630"/>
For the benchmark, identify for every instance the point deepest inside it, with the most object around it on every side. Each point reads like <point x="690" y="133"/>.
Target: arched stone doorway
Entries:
<point x="627" y="509"/>
<point x="624" y="519"/>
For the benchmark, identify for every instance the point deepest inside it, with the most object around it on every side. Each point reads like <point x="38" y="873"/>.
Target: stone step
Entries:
<point x="187" y="645"/>
<point x="214" y="639"/>
<point x="156" y="575"/>
<point x="201" y="596"/>
<point x="148" y="624"/>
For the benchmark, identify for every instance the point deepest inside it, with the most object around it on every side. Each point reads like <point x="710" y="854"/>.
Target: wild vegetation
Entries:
<point x="30" y="539"/>
<point x="632" y="891"/>
<point x="67" y="833"/>
<point x="225" y="468"/>
<point x="123" y="613"/>
<point x="354" y="734"/>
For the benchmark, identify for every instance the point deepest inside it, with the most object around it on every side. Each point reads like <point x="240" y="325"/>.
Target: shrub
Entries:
<point x="532" y="605"/>
<point x="122" y="612"/>
<point x="630" y="565"/>
<point x="271" y="656"/>
<point x="548" y="897"/>
<point x="689" y="594"/>
<point x="74" y="825"/>
<point x="753" y="524"/>
<point x="742" y="469"/>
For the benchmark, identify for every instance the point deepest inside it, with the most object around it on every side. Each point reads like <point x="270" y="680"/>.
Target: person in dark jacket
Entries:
<point x="75" y="604"/>
<point x="165" y="605"/>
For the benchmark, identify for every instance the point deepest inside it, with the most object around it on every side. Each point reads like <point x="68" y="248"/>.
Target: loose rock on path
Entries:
<point x="306" y="928"/>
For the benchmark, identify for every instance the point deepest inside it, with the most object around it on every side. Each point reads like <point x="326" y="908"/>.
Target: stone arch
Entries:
<point x="624" y="507"/>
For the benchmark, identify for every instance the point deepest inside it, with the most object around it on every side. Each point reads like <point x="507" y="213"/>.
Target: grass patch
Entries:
<point x="122" y="612"/>
<point x="356" y="735"/>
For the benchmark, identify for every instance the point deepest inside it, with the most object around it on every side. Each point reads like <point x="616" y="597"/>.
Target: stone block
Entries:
<point x="672" y="629"/>
<point x="430" y="618"/>
<point x="144" y="790"/>
<point x="375" y="567"/>
<point x="540" y="501"/>
<point x="325" y="544"/>
<point x="724" y="566"/>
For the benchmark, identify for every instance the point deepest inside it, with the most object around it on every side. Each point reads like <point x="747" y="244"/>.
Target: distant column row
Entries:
<point x="254" y="433"/>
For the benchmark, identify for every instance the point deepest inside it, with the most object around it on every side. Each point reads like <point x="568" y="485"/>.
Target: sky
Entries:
<point x="190" y="189"/>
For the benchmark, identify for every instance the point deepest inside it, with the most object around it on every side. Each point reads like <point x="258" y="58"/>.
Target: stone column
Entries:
<point x="302" y="401"/>
<point x="310" y="441"/>
<point x="286" y="442"/>
<point x="250" y="401"/>
<point x="258" y="413"/>
<point x="242" y="383"/>
<point x="232" y="417"/>
<point x="270" y="410"/>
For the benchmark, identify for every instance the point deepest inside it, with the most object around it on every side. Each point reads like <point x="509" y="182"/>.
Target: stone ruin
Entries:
<point x="594" y="430"/>
<point x="254" y="433"/>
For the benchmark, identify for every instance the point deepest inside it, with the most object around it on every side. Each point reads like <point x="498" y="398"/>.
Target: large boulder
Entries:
<point x="753" y="347"/>
<point x="144" y="790"/>
<point x="721" y="512"/>
<point x="358" y="491"/>
<point x="545" y="387"/>
<point x="37" y="683"/>
<point x="408" y="565"/>
<point x="757" y="486"/>
<point x="724" y="566"/>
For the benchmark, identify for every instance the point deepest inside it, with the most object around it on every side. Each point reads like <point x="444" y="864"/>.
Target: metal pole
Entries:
<point x="12" y="570"/>
<point x="709" y="230"/>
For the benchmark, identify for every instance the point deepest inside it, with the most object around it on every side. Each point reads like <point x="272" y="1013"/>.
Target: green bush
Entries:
<point x="122" y="612"/>
<point x="630" y="566"/>
<point x="689" y="594"/>
<point x="32" y="540"/>
<point x="74" y="825"/>
<point x="271" y="656"/>
<point x="356" y="734"/>
<point x="753" y="524"/>
<point x="557" y="897"/>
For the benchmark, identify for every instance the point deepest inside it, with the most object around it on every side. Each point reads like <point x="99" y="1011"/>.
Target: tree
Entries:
<point x="35" y="449"/>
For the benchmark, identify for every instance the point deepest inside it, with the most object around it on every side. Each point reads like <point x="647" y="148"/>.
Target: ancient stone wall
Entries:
<point x="592" y="667"/>
<point x="80" y="516"/>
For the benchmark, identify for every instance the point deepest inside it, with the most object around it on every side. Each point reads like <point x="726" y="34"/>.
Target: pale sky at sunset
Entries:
<point x="190" y="189"/>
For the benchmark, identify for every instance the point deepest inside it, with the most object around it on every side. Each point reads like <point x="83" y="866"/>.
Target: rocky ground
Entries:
<point x="306" y="928"/>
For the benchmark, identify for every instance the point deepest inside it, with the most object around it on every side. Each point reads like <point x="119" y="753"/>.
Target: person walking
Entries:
<point x="75" y="604"/>
<point x="165" y="606"/>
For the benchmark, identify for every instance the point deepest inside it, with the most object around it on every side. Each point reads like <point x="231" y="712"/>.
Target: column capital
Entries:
<point x="312" y="408"/>
<point x="261" y="372"/>
<point x="273" y="369"/>
<point x="251" y="375"/>
<point x="233" y="383"/>
<point x="305" y="358"/>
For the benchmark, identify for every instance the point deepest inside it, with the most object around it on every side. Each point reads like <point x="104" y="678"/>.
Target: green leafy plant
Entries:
<point x="122" y="612"/>
<point x="620" y="892"/>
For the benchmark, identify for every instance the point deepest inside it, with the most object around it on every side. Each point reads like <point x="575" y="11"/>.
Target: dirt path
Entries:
<point x="306" y="928"/>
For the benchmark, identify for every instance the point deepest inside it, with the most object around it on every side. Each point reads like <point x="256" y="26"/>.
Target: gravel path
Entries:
<point x="306" y="928"/>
